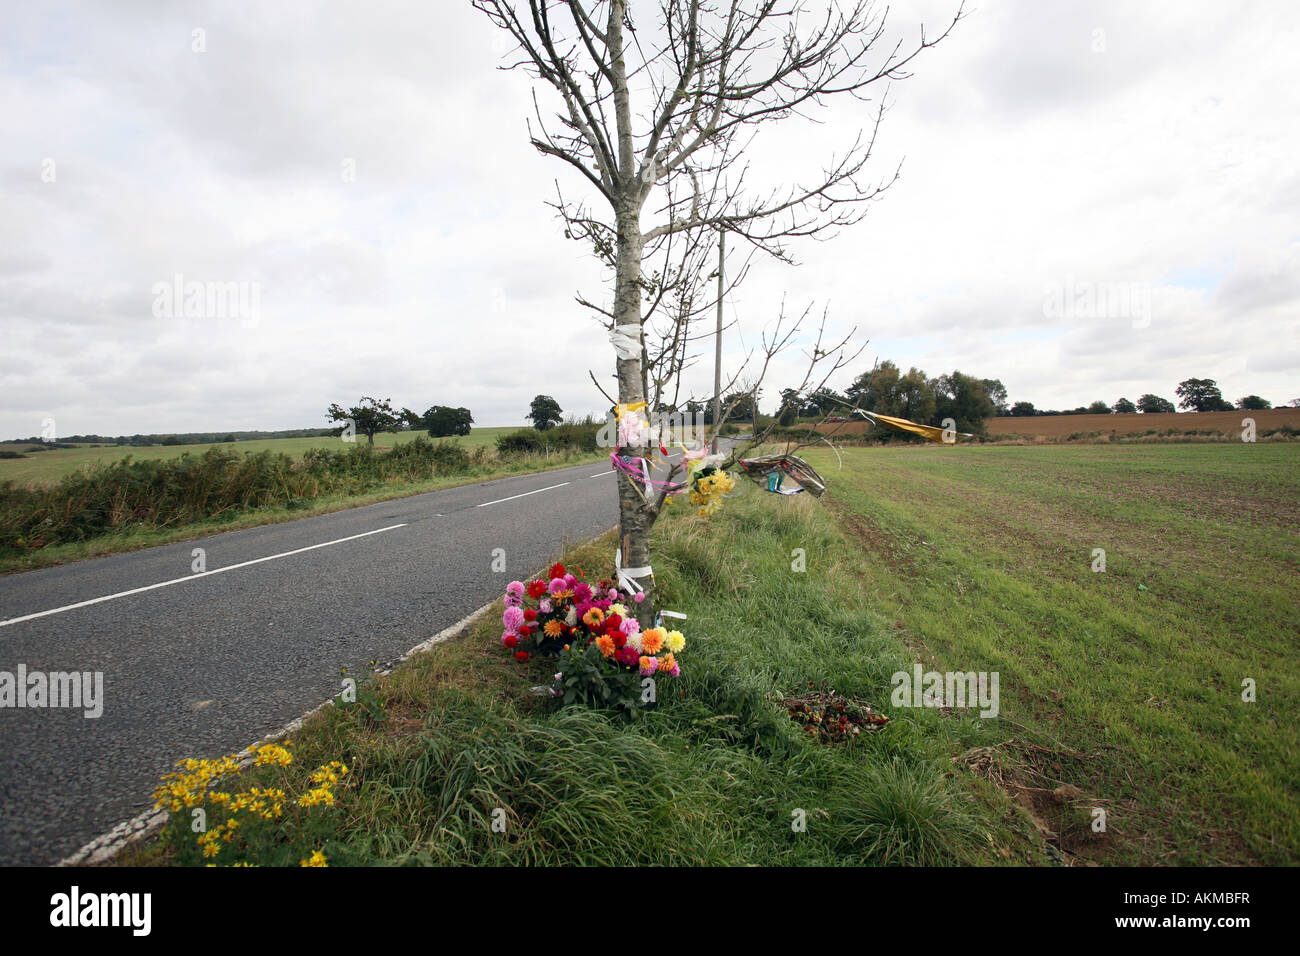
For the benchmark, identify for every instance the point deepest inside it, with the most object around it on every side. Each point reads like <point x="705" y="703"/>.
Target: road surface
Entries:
<point x="200" y="664"/>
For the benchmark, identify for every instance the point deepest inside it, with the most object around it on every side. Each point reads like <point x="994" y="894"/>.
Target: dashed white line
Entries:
<point x="194" y="577"/>
<point x="524" y="495"/>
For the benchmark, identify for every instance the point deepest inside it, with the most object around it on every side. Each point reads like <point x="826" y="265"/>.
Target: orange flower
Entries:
<point x="666" y="662"/>
<point x="606" y="645"/>
<point x="553" y="629"/>
<point x="594" y="618"/>
<point x="652" y="640"/>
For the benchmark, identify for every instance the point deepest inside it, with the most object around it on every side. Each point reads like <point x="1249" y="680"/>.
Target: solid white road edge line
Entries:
<point x="195" y="576"/>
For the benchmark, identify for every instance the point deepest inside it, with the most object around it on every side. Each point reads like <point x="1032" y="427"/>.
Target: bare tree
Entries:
<point x="668" y="108"/>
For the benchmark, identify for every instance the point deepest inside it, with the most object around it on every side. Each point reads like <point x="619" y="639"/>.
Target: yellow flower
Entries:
<point x="675" y="641"/>
<point x="316" y="859"/>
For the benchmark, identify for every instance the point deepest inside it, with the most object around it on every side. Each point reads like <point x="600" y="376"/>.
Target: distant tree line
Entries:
<point x="1194" y="395"/>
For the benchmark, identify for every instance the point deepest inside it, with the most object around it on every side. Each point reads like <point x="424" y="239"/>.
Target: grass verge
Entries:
<point x="715" y="772"/>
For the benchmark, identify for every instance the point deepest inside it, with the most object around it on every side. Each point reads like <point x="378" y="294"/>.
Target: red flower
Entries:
<point x="530" y="614"/>
<point x="612" y="622"/>
<point x="521" y="656"/>
<point x="536" y="589"/>
<point x="525" y="631"/>
<point x="557" y="571"/>
<point x="619" y="638"/>
<point x="511" y="640"/>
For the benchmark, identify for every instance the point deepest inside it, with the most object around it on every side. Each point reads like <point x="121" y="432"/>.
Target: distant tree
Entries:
<point x="873" y="391"/>
<point x="1099" y="408"/>
<point x="1124" y="407"/>
<point x="743" y="407"/>
<point x="997" y="393"/>
<point x="173" y="440"/>
<point x="914" y="396"/>
<point x="1201" y="395"/>
<point x="1253" y="403"/>
<point x="824" y="402"/>
<point x="370" y="416"/>
<point x="443" y="420"/>
<point x="229" y="439"/>
<point x="788" y="413"/>
<point x="1155" y="405"/>
<point x="963" y="399"/>
<point x="411" y="421"/>
<point x="545" y="412"/>
<point x="1023" y="410"/>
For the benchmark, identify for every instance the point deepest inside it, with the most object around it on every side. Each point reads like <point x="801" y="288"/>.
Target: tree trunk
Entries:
<point x="634" y="517"/>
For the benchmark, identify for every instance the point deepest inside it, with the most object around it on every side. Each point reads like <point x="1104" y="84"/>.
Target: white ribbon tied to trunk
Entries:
<point x="626" y="340"/>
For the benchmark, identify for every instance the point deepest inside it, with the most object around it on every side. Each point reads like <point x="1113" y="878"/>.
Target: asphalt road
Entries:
<point x="215" y="661"/>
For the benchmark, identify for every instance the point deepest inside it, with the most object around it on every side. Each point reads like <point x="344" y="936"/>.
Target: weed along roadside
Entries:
<point x="129" y="504"/>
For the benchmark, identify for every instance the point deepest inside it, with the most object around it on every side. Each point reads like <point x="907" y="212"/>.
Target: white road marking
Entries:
<point x="601" y="475"/>
<point x="524" y="495"/>
<point x="194" y="577"/>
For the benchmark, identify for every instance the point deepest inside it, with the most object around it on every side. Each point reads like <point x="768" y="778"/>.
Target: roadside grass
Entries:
<point x="47" y="467"/>
<point x="134" y="536"/>
<point x="983" y="557"/>
<point x="715" y="772"/>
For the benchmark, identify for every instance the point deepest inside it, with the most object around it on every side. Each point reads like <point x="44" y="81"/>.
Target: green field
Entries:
<point x="983" y="557"/>
<point x="1120" y="690"/>
<point x="47" y="467"/>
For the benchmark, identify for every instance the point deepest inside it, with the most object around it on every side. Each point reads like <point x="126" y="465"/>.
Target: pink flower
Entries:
<point x="512" y="618"/>
<point x="515" y="589"/>
<point x="570" y="580"/>
<point x="676" y="671"/>
<point x="613" y="594"/>
<point x="649" y="665"/>
<point x="630" y="626"/>
<point x="544" y="605"/>
<point x="581" y="592"/>
<point x="513" y="600"/>
<point x="639" y="597"/>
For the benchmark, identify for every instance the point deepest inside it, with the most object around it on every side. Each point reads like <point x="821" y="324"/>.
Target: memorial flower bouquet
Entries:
<point x="592" y="629"/>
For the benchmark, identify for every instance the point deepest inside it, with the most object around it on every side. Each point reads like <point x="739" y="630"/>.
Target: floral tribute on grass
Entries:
<point x="605" y="659"/>
<point x="832" y="718"/>
<point x="256" y="825"/>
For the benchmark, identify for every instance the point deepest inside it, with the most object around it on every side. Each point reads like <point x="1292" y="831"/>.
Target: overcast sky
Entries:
<point x="1097" y="199"/>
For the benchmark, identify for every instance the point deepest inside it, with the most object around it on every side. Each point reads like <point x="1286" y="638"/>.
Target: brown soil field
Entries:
<point x="1055" y="426"/>
<point x="1058" y="426"/>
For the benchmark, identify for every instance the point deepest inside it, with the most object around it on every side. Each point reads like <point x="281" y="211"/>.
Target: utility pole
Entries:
<point x="717" y="355"/>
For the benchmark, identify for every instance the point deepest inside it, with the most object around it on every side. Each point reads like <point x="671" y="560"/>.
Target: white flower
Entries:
<point x="634" y="640"/>
<point x="571" y="618"/>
